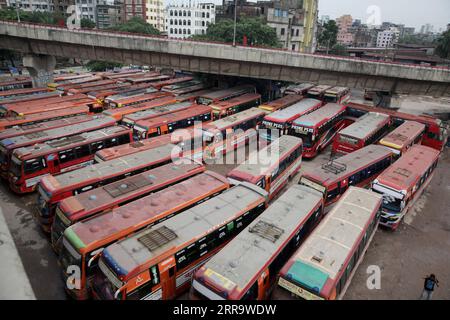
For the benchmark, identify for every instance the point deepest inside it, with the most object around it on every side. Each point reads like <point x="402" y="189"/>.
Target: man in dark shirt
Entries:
<point x="428" y="287"/>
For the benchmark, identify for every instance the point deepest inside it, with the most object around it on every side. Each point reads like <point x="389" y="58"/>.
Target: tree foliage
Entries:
<point x="97" y="66"/>
<point x="136" y="25"/>
<point x="443" y="45"/>
<point x="32" y="16"/>
<point x="328" y="36"/>
<point x="339" y="50"/>
<point x="87" y="23"/>
<point x="254" y="29"/>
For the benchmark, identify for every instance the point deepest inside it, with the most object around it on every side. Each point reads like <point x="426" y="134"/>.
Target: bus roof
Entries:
<point x="236" y="118"/>
<point x="293" y="111"/>
<point x="246" y="97"/>
<point x="103" y="170"/>
<point x="142" y="211"/>
<point x="319" y="89"/>
<point x="330" y="244"/>
<point x="180" y="85"/>
<point x="40" y="103"/>
<point x="64" y="143"/>
<point x="320" y="115"/>
<point x="251" y="250"/>
<point x="130" y="254"/>
<point x="347" y="164"/>
<point x="403" y="134"/>
<point x="28" y="97"/>
<point x="138" y="98"/>
<point x="45" y="135"/>
<point x="300" y="86"/>
<point x="219" y="94"/>
<point x="406" y="171"/>
<point x="169" y="81"/>
<point x="284" y="101"/>
<point x="153" y="112"/>
<point x="365" y="126"/>
<point x="336" y="90"/>
<point x="139" y="107"/>
<point x="265" y="158"/>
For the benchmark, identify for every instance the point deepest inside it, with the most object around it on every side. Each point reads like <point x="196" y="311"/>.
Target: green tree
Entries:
<point x="339" y="50"/>
<point x="87" y="23"/>
<point x="443" y="45"/>
<point x="254" y="29"/>
<point x="31" y="16"/>
<point x="97" y="66"/>
<point x="328" y="36"/>
<point x="136" y="25"/>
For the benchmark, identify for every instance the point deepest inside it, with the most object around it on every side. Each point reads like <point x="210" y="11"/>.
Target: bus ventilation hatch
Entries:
<point x="157" y="238"/>
<point x="123" y="187"/>
<point x="267" y="231"/>
<point x="334" y="167"/>
<point x="65" y="141"/>
<point x="36" y="135"/>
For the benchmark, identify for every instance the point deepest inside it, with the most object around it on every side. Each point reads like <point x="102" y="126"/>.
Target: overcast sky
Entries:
<point x="414" y="13"/>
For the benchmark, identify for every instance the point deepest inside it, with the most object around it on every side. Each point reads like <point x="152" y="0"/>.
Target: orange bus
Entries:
<point x="12" y="83"/>
<point x="324" y="265"/>
<point x="7" y="146"/>
<point x="225" y="94"/>
<point x="358" y="168"/>
<point x="52" y="189"/>
<point x="64" y="87"/>
<point x="168" y="123"/>
<point x="138" y="99"/>
<point x="15" y="95"/>
<point x="85" y="87"/>
<point x="247" y="267"/>
<point x="340" y="95"/>
<point x="100" y="87"/>
<point x="130" y="91"/>
<point x="234" y="105"/>
<point x="281" y="103"/>
<point x="82" y="245"/>
<point x="318" y="92"/>
<point x="299" y="89"/>
<point x="180" y="85"/>
<point x="41" y="117"/>
<point x="30" y="164"/>
<point x="363" y="132"/>
<point x="194" y="89"/>
<point x="271" y="167"/>
<point x="171" y="251"/>
<point x="404" y="182"/>
<point x="107" y="197"/>
<point x="404" y="137"/>
<point x="158" y="85"/>
<point x="146" y="78"/>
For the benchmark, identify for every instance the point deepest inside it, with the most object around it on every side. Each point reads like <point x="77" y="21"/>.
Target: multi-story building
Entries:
<point x="426" y="29"/>
<point x="387" y="38"/>
<point x="156" y="14"/>
<point x="87" y="9"/>
<point x="31" y="5"/>
<point x="344" y="35"/>
<point x="184" y="21"/>
<point x="61" y="6"/>
<point x="109" y="13"/>
<point x="134" y="8"/>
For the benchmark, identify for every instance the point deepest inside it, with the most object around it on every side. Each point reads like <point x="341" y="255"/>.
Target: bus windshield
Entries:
<point x="390" y="202"/>
<point x="309" y="183"/>
<point x="16" y="167"/>
<point x="307" y="137"/>
<point x="69" y="256"/>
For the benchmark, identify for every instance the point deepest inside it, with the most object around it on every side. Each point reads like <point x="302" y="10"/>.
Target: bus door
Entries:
<point x="53" y="163"/>
<point x="167" y="270"/>
<point x="263" y="285"/>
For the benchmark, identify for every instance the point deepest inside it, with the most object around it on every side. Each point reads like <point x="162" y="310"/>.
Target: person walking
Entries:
<point x="428" y="287"/>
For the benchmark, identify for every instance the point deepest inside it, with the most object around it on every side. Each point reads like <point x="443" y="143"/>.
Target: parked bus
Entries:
<point x="146" y="79"/>
<point x="196" y="90"/>
<point x="281" y="103"/>
<point x="82" y="245"/>
<point x="64" y="87"/>
<point x="112" y="85"/>
<point x="82" y="87"/>
<point x="159" y="84"/>
<point x="358" y="169"/>
<point x="318" y="92"/>
<point x="402" y="138"/>
<point x="139" y="99"/>
<point x="435" y="131"/>
<point x="404" y="182"/>
<point x="41" y="117"/>
<point x="170" y="252"/>
<point x="134" y="90"/>
<point x="107" y="197"/>
<point x="318" y="128"/>
<point x="324" y="265"/>
<point x="281" y="120"/>
<point x="247" y="267"/>
<point x="229" y="107"/>
<point x="227" y="134"/>
<point x="120" y="113"/>
<point x="366" y="130"/>
<point x="27" y="94"/>
<point x="299" y="89"/>
<point x="16" y="83"/>
<point x="131" y="119"/>
<point x="53" y="189"/>
<point x="7" y="146"/>
<point x="168" y="123"/>
<point x="30" y="164"/>
<point x="225" y="94"/>
<point x="180" y="85"/>
<point x="337" y="94"/>
<point x="271" y="167"/>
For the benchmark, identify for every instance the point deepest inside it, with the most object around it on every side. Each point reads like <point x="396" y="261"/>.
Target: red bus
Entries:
<point x="358" y="168"/>
<point x="127" y="73"/>
<point x="337" y="94"/>
<point x="324" y="265"/>
<point x="85" y="87"/>
<point x="101" y="93"/>
<point x="281" y="103"/>
<point x="227" y="134"/>
<point x="435" y="130"/>
<point x="186" y="242"/>
<point x="247" y="267"/>
<point x="281" y="120"/>
<point x="225" y="94"/>
<point x="16" y="83"/>
<point x="366" y="130"/>
<point x="158" y="85"/>
<point x="52" y="189"/>
<point x="299" y="89"/>
<point x="128" y="92"/>
<point x="168" y="123"/>
<point x="180" y="85"/>
<point x="99" y="87"/>
<point x="120" y="113"/>
<point x="27" y="94"/>
<point x="318" y="128"/>
<point x="7" y="146"/>
<point x="271" y="167"/>
<point x="64" y="87"/>
<point x="147" y="79"/>
<point x="111" y="196"/>
<point x="404" y="182"/>
<point x="195" y="89"/>
<point x="30" y="164"/>
<point x="82" y="245"/>
<point x="138" y="99"/>
<point x="229" y="107"/>
<point x="318" y="92"/>
<point x="403" y="137"/>
<point x="41" y="117"/>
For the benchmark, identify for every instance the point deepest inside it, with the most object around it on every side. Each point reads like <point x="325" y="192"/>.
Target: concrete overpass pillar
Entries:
<point x="40" y="68"/>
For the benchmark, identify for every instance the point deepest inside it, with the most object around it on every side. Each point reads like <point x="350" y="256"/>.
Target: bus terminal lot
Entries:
<point x="419" y="247"/>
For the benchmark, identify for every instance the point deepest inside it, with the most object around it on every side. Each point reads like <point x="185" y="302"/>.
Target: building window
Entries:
<point x="282" y="31"/>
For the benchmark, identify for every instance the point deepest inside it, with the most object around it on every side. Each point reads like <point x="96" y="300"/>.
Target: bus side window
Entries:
<point x="332" y="194"/>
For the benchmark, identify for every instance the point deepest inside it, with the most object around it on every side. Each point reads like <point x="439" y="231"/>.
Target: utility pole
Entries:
<point x="235" y="18"/>
<point x="17" y="11"/>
